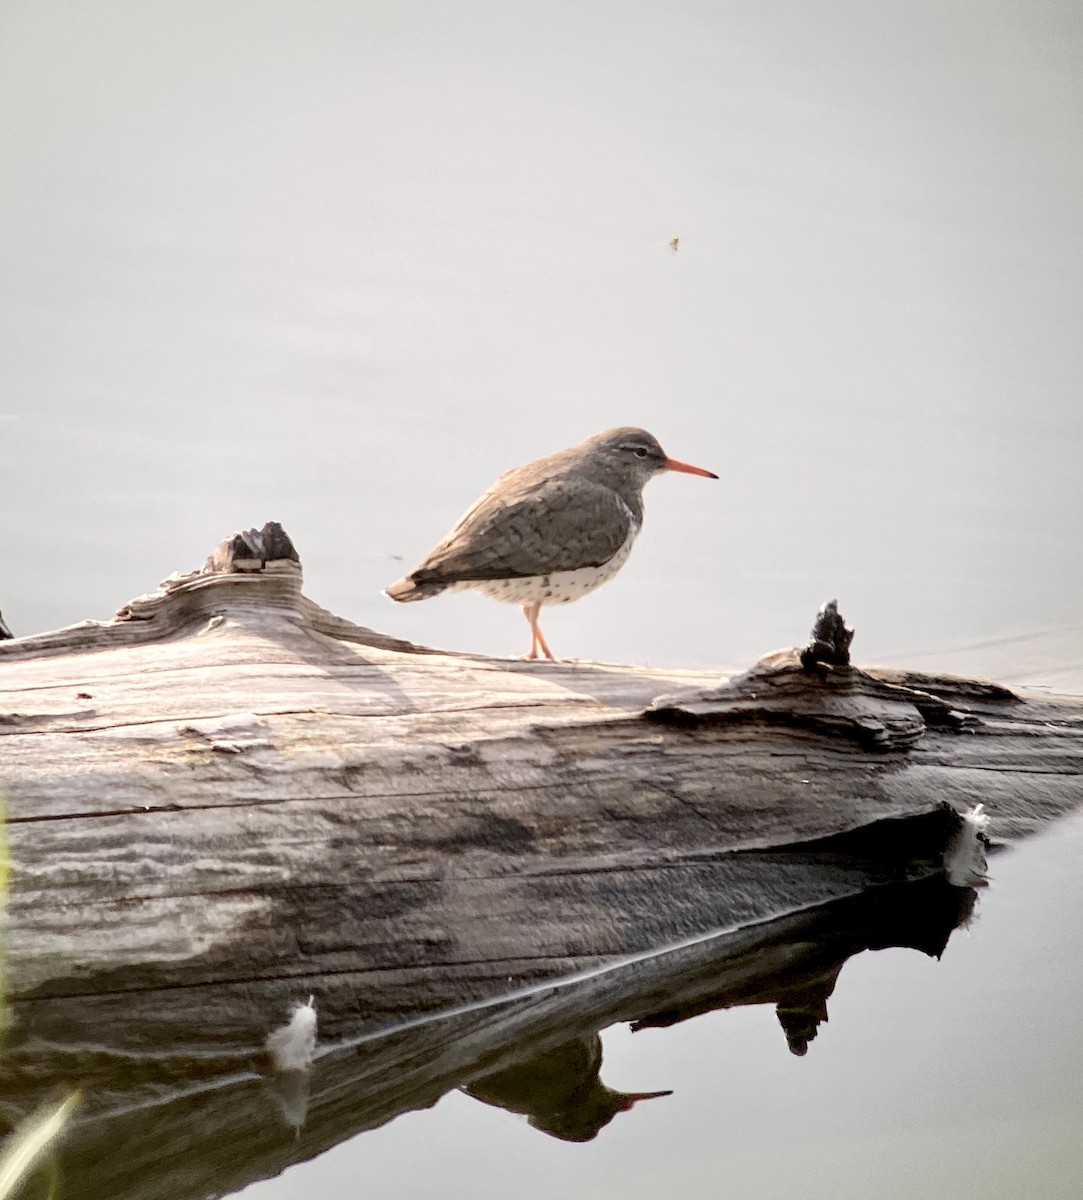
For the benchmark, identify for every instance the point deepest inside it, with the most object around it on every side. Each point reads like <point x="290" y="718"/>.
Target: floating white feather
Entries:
<point x="293" y="1045"/>
<point x="964" y="859"/>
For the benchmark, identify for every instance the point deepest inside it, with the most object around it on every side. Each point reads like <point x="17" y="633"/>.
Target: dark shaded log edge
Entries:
<point x="228" y="799"/>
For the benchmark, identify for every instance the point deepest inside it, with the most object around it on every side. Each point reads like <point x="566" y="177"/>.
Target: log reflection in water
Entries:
<point x="178" y="1126"/>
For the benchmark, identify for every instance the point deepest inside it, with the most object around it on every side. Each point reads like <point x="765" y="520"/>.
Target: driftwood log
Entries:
<point x="228" y="799"/>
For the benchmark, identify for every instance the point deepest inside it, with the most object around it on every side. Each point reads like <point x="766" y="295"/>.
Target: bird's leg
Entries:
<point x="541" y="639"/>
<point x="533" y="632"/>
<point x="537" y="640"/>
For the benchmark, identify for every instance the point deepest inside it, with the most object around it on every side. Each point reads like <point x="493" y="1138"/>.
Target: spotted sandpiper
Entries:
<point x="550" y="531"/>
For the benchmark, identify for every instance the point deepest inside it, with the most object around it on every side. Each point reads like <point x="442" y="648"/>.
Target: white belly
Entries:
<point x="558" y="587"/>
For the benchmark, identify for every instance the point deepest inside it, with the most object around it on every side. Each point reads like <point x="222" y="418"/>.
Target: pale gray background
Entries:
<point x="339" y="263"/>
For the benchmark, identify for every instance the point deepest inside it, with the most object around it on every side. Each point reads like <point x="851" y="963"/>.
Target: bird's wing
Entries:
<point x="556" y="525"/>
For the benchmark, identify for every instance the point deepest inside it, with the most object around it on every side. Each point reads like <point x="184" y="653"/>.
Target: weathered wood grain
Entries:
<point x="169" y="774"/>
<point x="227" y="798"/>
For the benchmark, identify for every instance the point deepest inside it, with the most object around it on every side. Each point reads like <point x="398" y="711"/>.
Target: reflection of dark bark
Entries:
<point x="920" y="916"/>
<point x="560" y="1091"/>
<point x="176" y="1105"/>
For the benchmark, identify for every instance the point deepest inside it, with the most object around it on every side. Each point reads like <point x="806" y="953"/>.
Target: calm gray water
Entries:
<point x="339" y="264"/>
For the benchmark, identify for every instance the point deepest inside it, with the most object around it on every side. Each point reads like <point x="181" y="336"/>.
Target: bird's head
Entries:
<point x="633" y="456"/>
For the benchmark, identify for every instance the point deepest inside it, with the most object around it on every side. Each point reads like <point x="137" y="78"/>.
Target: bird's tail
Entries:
<point x="410" y="587"/>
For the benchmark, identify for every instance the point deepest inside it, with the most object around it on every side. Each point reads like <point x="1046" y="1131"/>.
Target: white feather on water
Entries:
<point x="293" y="1045"/>
<point x="964" y="859"/>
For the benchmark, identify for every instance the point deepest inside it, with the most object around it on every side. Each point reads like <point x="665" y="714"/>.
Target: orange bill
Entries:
<point x="673" y="464"/>
<point x="631" y="1098"/>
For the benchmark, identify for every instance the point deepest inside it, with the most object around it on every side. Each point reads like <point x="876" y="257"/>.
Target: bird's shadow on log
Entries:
<point x="617" y="685"/>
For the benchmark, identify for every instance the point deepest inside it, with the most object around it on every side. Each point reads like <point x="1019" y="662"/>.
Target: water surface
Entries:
<point x="341" y="264"/>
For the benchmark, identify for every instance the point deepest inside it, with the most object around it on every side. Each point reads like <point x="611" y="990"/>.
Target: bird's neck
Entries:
<point x="633" y="499"/>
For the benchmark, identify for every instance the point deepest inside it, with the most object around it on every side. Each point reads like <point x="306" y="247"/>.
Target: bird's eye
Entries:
<point x="640" y="451"/>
